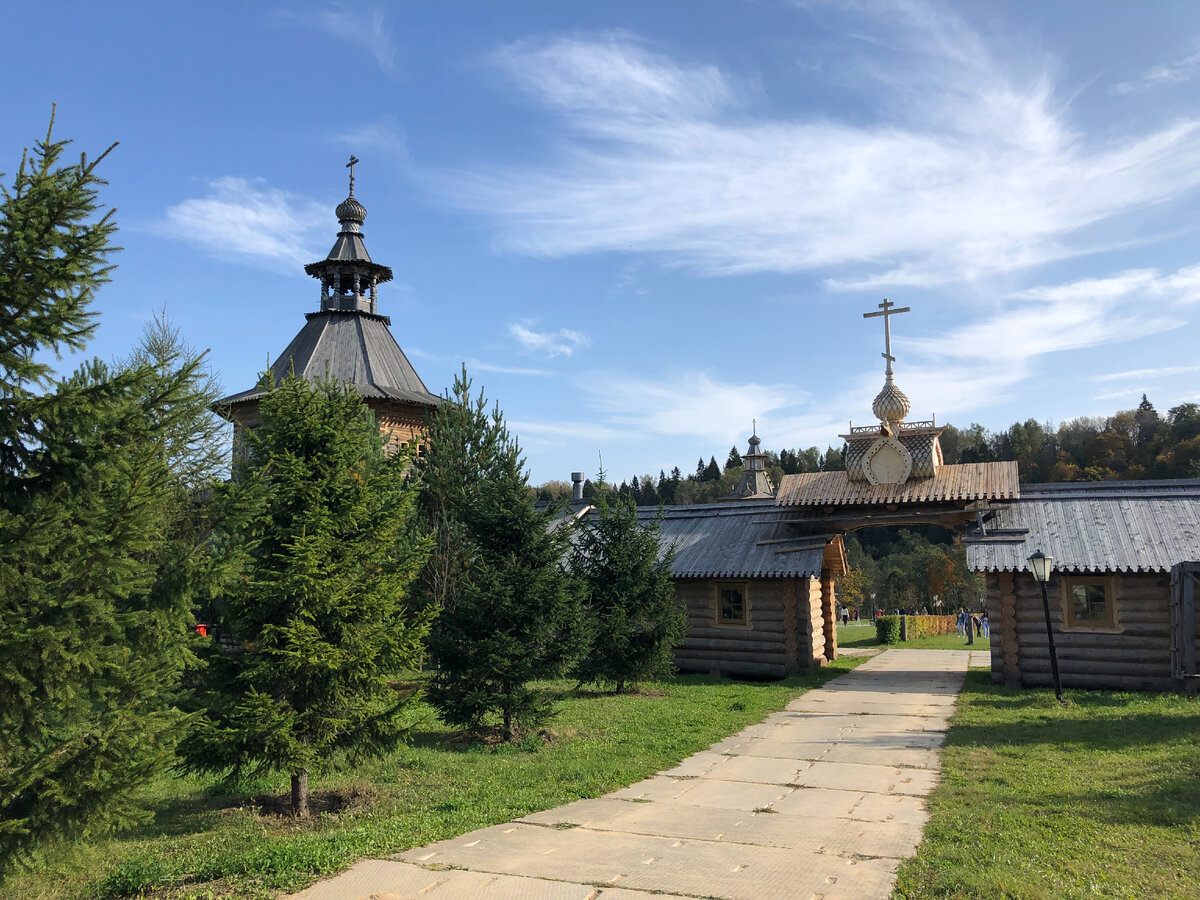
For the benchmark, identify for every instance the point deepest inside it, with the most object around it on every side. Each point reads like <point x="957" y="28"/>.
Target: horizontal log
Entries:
<point x="1098" y="667"/>
<point x="718" y="646"/>
<point x="771" y="658"/>
<point x="1099" y="640"/>
<point x="1111" y="682"/>
<point x="749" y="669"/>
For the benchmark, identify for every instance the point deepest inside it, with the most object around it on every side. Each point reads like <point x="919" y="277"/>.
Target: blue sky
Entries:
<point x="644" y="224"/>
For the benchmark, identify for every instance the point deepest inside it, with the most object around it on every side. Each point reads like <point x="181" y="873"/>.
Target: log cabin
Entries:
<point x="1122" y="587"/>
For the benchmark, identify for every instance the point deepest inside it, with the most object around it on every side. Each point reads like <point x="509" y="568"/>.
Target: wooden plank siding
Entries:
<point x="784" y="633"/>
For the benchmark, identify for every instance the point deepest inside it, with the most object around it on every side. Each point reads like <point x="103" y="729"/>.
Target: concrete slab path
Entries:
<point x="821" y="800"/>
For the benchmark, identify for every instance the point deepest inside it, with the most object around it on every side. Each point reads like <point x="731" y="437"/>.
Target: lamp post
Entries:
<point x="1039" y="565"/>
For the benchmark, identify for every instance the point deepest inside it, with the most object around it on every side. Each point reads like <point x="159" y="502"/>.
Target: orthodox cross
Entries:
<point x="754" y="426"/>
<point x="887" y="310"/>
<point x="350" y="165"/>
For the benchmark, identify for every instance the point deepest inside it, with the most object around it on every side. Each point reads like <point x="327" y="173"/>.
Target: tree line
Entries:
<point x="327" y="571"/>
<point x="1130" y="444"/>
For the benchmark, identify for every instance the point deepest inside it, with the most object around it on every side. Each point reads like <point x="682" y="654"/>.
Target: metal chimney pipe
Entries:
<point x="576" y="486"/>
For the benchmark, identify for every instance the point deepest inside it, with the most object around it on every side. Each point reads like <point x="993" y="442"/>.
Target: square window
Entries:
<point x="731" y="605"/>
<point x="1089" y="603"/>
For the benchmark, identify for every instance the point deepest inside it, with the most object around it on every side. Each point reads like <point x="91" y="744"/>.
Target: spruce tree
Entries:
<point x="712" y="472"/>
<point x="733" y="460"/>
<point x="630" y="609"/>
<point x="322" y="521"/>
<point x="507" y="611"/>
<point x="103" y="543"/>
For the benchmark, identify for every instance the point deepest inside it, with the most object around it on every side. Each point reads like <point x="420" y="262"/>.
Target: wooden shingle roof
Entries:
<point x="357" y="349"/>
<point x="968" y="481"/>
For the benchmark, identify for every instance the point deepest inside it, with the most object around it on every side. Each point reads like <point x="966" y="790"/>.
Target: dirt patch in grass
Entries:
<point x="331" y="801"/>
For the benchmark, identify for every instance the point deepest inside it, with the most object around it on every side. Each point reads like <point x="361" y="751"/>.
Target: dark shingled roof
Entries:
<point x="357" y="349"/>
<point x="1121" y="526"/>
<point x="746" y="540"/>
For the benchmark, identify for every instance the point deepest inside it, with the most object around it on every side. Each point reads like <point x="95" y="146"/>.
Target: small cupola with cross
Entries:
<point x="755" y="483"/>
<point x="349" y="278"/>
<point x="893" y="451"/>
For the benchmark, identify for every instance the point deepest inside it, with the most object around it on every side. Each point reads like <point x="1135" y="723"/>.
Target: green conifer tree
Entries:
<point x="633" y="618"/>
<point x="102" y="537"/>
<point x="322" y="519"/>
<point x="733" y="460"/>
<point x="507" y="612"/>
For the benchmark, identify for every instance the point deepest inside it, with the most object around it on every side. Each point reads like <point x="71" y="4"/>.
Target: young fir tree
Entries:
<point x="102" y="541"/>
<point x="508" y="613"/>
<point x="633" y="619"/>
<point x="322" y="518"/>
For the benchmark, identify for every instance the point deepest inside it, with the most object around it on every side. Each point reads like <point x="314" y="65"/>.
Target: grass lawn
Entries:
<point x="1100" y="798"/>
<point x="208" y="841"/>
<point x="864" y="636"/>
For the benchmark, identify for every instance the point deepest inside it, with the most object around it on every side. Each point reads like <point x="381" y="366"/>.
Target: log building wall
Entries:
<point x="784" y="633"/>
<point x="1134" y="655"/>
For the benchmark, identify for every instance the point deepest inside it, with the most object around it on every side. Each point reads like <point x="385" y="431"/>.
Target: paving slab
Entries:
<point x="769" y="827"/>
<point x="822" y="799"/>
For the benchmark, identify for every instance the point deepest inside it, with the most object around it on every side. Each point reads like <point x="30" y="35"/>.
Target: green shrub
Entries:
<point x="887" y="629"/>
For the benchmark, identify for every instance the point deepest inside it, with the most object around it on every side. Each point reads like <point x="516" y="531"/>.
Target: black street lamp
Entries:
<point x="1039" y="565"/>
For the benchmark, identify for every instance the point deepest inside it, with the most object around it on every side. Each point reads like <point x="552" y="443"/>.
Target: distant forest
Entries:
<point x="1132" y="444"/>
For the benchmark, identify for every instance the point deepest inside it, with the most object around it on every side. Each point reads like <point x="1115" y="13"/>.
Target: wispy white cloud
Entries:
<point x="367" y="28"/>
<point x="959" y="167"/>
<point x="1148" y="374"/>
<point x="693" y="403"/>
<point x="563" y="342"/>
<point x="247" y="221"/>
<point x="982" y="363"/>
<point x="384" y="135"/>
<point x="475" y="365"/>
<point x="1174" y="72"/>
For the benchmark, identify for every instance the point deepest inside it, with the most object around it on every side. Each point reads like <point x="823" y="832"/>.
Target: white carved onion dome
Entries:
<point x="350" y="211"/>
<point x="891" y="405"/>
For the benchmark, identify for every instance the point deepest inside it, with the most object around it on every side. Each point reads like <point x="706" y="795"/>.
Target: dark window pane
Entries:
<point x="732" y="607"/>
<point x="1088" y="603"/>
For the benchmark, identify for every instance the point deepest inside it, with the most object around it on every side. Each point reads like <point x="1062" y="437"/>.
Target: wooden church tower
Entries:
<point x="348" y="338"/>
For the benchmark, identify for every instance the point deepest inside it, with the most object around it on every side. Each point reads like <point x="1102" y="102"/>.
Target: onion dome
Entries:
<point x="350" y="211"/>
<point x="890" y="405"/>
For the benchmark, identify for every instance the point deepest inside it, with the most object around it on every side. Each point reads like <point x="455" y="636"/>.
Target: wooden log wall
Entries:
<point x="400" y="422"/>
<point x="1137" y="657"/>
<point x="783" y="628"/>
<point x="828" y="617"/>
<point x="816" y="608"/>
<point x="1002" y="614"/>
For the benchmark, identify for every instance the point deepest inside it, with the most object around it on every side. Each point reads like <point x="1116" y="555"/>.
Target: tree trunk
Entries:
<point x="300" y="793"/>
<point x="508" y="725"/>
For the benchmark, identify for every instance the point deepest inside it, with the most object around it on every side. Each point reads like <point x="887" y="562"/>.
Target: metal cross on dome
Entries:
<point x="350" y="165"/>
<point x="887" y="310"/>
